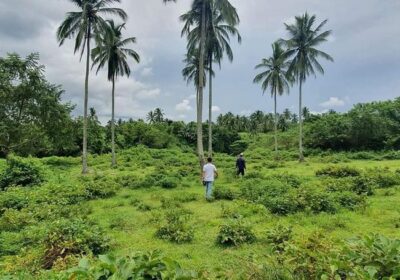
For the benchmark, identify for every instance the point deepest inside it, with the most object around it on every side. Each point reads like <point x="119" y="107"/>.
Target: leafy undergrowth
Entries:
<point x="317" y="220"/>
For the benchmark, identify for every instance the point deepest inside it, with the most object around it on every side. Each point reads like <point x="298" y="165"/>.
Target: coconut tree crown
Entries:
<point x="302" y="46"/>
<point x="112" y="51"/>
<point x="276" y="76"/>
<point x="87" y="21"/>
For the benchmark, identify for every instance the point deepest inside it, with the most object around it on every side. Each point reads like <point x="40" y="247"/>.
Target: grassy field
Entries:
<point x="140" y="205"/>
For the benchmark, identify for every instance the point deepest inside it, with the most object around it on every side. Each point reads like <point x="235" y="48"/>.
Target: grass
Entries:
<point x="132" y="228"/>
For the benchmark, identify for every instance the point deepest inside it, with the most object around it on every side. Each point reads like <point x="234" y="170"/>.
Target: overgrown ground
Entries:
<point x="152" y="184"/>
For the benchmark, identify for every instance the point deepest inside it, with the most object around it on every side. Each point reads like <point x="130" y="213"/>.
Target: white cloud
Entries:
<point x="333" y="102"/>
<point x="192" y="96"/>
<point x="215" y="109"/>
<point x="184" y="106"/>
<point x="146" y="72"/>
<point x="146" y="94"/>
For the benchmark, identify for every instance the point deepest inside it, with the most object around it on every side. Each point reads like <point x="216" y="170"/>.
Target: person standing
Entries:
<point x="240" y="165"/>
<point x="209" y="175"/>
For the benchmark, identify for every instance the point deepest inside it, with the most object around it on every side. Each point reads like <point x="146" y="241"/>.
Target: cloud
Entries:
<point x="148" y="94"/>
<point x="146" y="72"/>
<point x="333" y="102"/>
<point x="215" y="109"/>
<point x="184" y="106"/>
<point x="30" y="26"/>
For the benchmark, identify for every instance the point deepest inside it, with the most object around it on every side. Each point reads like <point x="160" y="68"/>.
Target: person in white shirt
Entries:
<point x="209" y="175"/>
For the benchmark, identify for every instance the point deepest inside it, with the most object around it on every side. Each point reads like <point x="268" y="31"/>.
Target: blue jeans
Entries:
<point x="209" y="186"/>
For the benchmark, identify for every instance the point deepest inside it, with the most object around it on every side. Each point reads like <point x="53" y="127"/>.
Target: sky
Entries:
<point x="365" y="45"/>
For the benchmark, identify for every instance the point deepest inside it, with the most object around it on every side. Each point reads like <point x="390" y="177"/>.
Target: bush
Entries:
<point x="72" y="237"/>
<point x="338" y="171"/>
<point x="257" y="191"/>
<point x="374" y="257"/>
<point x="311" y="258"/>
<point x="363" y="185"/>
<point x="278" y="237"/>
<point x="315" y="200"/>
<point x="186" y="197"/>
<point x="281" y="205"/>
<point x="235" y="233"/>
<point x="383" y="177"/>
<point x="133" y="182"/>
<point x="150" y="265"/>
<point x="168" y="183"/>
<point x="350" y="200"/>
<point x="288" y="179"/>
<point x="14" y="198"/>
<point x="176" y="229"/>
<point x="101" y="189"/>
<point x="14" y="220"/>
<point x="238" y="147"/>
<point x="21" y="172"/>
<point x="143" y="207"/>
<point x="225" y="193"/>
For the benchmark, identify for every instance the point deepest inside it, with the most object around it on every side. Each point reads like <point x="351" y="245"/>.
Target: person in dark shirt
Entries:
<point x="240" y="165"/>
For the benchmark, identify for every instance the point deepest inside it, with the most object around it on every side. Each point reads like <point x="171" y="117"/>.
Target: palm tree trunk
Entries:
<point x="113" y="161"/>
<point x="210" y="113"/>
<point x="85" y="106"/>
<point x="301" y="156"/>
<point x="275" y="127"/>
<point x="200" y="148"/>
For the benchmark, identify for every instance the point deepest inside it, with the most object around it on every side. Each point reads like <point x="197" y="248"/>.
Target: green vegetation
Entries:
<point x="335" y="216"/>
<point x="281" y="215"/>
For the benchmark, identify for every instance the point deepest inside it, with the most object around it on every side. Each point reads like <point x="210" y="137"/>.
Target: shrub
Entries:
<point x="238" y="147"/>
<point x="254" y="175"/>
<point x="72" y="237"/>
<point x="168" y="183"/>
<point x="224" y="193"/>
<point x="101" y="189"/>
<point x="119" y="223"/>
<point x="338" y="171"/>
<point x="281" y="205"/>
<point x="363" y="185"/>
<point x="383" y="177"/>
<point x="176" y="229"/>
<point x="316" y="200"/>
<point x="310" y="258"/>
<point x="374" y="257"/>
<point x="257" y="191"/>
<point x="350" y="200"/>
<point x="186" y="197"/>
<point x="278" y="237"/>
<point x="150" y="265"/>
<point x="133" y="182"/>
<point x="143" y="207"/>
<point x="21" y="172"/>
<point x="288" y="179"/>
<point x="14" y="220"/>
<point x="235" y="233"/>
<point x="14" y="198"/>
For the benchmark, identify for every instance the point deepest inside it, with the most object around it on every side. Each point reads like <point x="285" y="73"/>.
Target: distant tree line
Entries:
<point x="34" y="121"/>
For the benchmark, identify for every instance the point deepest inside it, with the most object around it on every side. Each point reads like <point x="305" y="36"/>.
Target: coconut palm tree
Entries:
<point x="217" y="44"/>
<point x="82" y="25"/>
<point x="191" y="72"/>
<point x="302" y="48"/>
<point x="150" y="117"/>
<point x="112" y="51"/>
<point x="158" y="115"/>
<point x="199" y="13"/>
<point x="275" y="78"/>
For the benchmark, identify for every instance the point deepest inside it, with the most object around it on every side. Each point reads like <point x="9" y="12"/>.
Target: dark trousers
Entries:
<point x="240" y="171"/>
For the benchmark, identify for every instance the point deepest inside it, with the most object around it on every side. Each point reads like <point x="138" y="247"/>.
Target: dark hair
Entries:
<point x="209" y="159"/>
